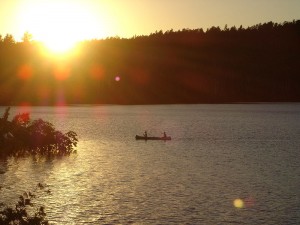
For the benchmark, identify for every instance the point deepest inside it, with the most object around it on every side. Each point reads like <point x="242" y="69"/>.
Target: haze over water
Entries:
<point x="218" y="154"/>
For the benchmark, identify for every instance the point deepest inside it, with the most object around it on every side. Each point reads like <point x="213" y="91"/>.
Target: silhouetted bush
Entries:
<point x="19" y="214"/>
<point x="22" y="136"/>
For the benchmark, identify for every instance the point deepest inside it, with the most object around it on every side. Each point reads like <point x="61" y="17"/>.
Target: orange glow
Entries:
<point x="97" y="72"/>
<point x="24" y="107"/>
<point x="61" y="71"/>
<point x="25" y="72"/>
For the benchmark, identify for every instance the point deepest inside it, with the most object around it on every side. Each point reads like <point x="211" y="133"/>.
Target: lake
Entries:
<point x="225" y="164"/>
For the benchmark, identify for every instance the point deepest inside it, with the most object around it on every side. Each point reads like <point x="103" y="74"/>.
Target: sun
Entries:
<point x="59" y="25"/>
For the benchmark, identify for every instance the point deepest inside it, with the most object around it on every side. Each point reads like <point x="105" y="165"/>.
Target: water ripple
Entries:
<point x="219" y="154"/>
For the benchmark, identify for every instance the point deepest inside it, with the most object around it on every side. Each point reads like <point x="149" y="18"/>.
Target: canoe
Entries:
<point x="137" y="137"/>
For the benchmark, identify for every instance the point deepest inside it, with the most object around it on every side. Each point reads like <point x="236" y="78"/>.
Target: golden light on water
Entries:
<point x="247" y="202"/>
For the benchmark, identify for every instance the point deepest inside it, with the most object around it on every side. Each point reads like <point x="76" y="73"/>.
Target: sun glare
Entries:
<point x="59" y="25"/>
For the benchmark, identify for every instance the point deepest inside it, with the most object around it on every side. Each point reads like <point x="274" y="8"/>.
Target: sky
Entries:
<point x="73" y="20"/>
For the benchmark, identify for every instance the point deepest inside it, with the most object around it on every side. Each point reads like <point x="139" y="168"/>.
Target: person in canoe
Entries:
<point x="145" y="134"/>
<point x="165" y="135"/>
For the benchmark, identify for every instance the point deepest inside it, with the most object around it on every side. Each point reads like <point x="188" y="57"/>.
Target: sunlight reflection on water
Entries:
<point x="225" y="164"/>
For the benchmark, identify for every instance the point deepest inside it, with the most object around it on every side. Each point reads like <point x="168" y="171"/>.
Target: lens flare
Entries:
<point x="61" y="71"/>
<point x="238" y="203"/>
<point x="97" y="72"/>
<point x="24" y="107"/>
<point x="60" y="99"/>
<point x="25" y="72"/>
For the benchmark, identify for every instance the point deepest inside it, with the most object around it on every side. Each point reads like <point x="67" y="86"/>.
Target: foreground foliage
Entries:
<point x="22" y="136"/>
<point x="20" y="215"/>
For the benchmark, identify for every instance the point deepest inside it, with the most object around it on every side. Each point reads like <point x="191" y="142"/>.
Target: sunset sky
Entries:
<point x="73" y="20"/>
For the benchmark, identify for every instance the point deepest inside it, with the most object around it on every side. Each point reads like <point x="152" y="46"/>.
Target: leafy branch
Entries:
<point x="21" y="136"/>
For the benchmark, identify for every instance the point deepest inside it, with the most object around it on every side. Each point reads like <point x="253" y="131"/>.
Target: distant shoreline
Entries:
<point x="204" y="103"/>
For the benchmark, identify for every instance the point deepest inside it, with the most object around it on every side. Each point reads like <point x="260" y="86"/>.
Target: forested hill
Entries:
<point x="255" y="64"/>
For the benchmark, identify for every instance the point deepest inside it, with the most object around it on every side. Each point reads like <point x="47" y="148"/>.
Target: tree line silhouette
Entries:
<point x="254" y="64"/>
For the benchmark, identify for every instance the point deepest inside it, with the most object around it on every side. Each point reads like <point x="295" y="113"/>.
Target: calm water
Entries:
<point x="219" y="153"/>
